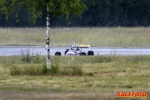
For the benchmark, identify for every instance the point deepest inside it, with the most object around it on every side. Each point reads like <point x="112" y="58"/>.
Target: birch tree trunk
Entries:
<point x="48" y="38"/>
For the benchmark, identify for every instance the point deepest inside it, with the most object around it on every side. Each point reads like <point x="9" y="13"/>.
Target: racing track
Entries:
<point x="18" y="50"/>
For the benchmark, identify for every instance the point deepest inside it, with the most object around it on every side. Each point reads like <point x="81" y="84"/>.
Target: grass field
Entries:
<point x="100" y="37"/>
<point x="102" y="77"/>
<point x="25" y="77"/>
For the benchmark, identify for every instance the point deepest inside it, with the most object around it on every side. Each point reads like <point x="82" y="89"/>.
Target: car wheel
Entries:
<point x="82" y="54"/>
<point x="90" y="53"/>
<point x="57" y="54"/>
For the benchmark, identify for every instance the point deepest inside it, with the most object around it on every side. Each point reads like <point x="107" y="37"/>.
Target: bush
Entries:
<point x="28" y="70"/>
<point x="56" y="69"/>
<point x="72" y="70"/>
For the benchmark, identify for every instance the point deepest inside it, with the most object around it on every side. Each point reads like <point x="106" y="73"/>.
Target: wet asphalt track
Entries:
<point x="19" y="50"/>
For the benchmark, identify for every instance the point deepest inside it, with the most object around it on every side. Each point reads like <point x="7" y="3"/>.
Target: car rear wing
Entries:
<point x="84" y="46"/>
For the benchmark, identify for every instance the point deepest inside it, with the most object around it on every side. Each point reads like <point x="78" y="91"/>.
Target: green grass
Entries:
<point x="103" y="77"/>
<point x="74" y="78"/>
<point x="101" y="37"/>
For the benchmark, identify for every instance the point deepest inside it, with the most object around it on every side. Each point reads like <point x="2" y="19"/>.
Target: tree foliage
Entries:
<point x="37" y="8"/>
<point x="99" y="12"/>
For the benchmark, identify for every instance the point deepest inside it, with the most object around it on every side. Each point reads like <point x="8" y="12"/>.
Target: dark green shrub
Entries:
<point x="28" y="70"/>
<point x="15" y="70"/>
<point x="56" y="69"/>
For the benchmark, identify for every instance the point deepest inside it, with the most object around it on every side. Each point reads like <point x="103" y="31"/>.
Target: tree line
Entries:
<point x="99" y="13"/>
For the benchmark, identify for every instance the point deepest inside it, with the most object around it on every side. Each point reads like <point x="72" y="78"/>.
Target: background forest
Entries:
<point x="100" y="13"/>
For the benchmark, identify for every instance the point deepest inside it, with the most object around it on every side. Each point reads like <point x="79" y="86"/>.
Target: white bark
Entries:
<point x="48" y="39"/>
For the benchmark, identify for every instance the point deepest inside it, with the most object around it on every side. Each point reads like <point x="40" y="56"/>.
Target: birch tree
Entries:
<point x="36" y="8"/>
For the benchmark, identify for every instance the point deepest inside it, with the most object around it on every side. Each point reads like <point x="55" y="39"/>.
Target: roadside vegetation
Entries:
<point x="75" y="78"/>
<point x="100" y="37"/>
<point x="99" y="77"/>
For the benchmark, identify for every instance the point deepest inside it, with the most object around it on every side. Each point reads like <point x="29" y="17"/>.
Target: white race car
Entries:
<point x="76" y="50"/>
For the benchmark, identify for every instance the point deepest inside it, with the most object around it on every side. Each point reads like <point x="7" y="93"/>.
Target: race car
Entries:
<point x="76" y="50"/>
